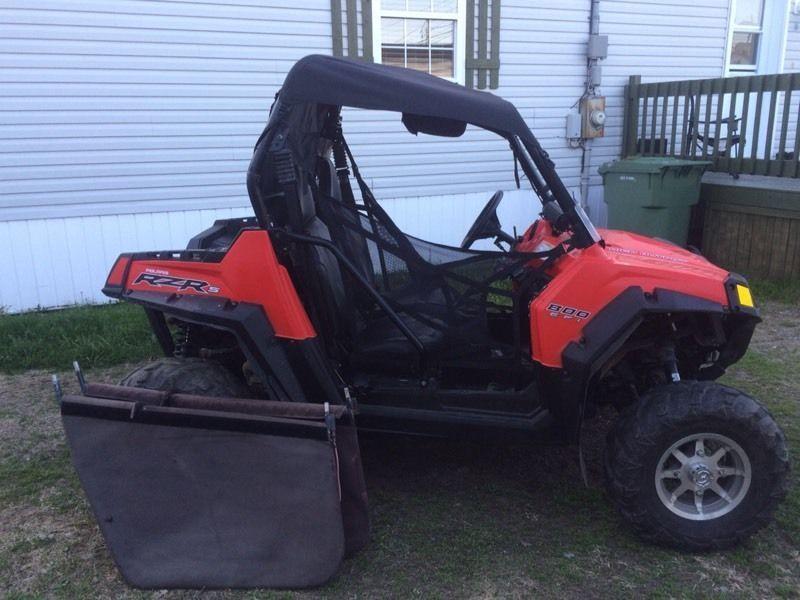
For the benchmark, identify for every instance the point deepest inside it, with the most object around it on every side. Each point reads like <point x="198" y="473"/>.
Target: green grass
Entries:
<point x="97" y="336"/>
<point x="31" y="477"/>
<point x="449" y="519"/>
<point x="786" y="291"/>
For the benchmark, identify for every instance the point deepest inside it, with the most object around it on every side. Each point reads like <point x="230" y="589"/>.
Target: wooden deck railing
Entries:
<point x="741" y="124"/>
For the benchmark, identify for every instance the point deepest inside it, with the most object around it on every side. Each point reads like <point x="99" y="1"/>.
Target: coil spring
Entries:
<point x="181" y="337"/>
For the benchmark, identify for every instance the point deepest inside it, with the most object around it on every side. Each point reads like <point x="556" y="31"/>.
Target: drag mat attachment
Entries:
<point x="209" y="492"/>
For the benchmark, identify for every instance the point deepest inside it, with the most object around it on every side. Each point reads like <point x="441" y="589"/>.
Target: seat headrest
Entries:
<point x="307" y="210"/>
<point x="328" y="180"/>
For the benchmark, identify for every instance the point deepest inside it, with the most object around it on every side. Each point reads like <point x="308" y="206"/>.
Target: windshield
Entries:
<point x="584" y="218"/>
<point x="544" y="180"/>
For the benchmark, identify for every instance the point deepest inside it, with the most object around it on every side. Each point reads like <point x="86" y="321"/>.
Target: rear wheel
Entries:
<point x="187" y="376"/>
<point x="696" y="465"/>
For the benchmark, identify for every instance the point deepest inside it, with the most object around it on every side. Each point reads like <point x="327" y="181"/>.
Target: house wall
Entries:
<point x="791" y="64"/>
<point x="791" y="59"/>
<point x="129" y="125"/>
<point x="661" y="41"/>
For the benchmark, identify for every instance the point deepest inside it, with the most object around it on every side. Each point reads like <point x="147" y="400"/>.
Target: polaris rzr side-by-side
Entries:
<point x="234" y="460"/>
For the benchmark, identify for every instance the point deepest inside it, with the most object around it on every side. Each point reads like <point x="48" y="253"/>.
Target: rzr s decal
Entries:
<point x="181" y="284"/>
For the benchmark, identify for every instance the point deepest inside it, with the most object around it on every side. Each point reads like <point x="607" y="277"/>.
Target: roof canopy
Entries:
<point x="345" y="82"/>
<point x="428" y="104"/>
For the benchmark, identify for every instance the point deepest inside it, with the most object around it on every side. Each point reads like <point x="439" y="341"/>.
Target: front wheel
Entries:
<point x="696" y="465"/>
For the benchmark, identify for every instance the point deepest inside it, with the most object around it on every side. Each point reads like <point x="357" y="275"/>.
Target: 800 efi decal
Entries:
<point x="181" y="284"/>
<point x="567" y="312"/>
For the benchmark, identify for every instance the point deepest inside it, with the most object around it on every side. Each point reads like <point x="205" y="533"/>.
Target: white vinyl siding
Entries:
<point x="129" y="125"/>
<point x="139" y="106"/>
<point x="60" y="261"/>
<point x="155" y="105"/>
<point x="661" y="41"/>
<point x="791" y="62"/>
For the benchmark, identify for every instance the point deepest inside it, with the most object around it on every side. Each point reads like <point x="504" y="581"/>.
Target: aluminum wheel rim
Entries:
<point x="703" y="476"/>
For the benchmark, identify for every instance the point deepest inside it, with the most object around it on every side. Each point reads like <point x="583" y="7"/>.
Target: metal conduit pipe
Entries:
<point x="586" y="146"/>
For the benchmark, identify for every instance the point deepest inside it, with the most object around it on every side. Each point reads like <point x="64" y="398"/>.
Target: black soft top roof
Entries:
<point x="428" y="104"/>
<point x="346" y="82"/>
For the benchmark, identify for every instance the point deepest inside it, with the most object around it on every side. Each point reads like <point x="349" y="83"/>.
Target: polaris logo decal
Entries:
<point x="181" y="284"/>
<point x="567" y="312"/>
<point x="645" y="253"/>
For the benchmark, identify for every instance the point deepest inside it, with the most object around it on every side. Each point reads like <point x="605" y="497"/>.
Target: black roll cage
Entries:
<point x="274" y="144"/>
<point x="345" y="262"/>
<point x="544" y="179"/>
<point x="392" y="314"/>
<point x="534" y="160"/>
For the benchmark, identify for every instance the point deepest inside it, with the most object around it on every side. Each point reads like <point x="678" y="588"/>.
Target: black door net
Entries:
<point x="445" y="296"/>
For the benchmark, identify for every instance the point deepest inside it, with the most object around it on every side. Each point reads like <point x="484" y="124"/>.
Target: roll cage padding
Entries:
<point x="610" y="329"/>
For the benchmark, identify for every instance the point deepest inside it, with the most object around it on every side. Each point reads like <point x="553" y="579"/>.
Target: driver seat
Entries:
<point x="421" y="294"/>
<point x="376" y="340"/>
<point x="382" y="346"/>
<point x="373" y="338"/>
<point x="335" y="315"/>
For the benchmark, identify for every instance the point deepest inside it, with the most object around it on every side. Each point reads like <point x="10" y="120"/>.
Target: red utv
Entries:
<point x="234" y="461"/>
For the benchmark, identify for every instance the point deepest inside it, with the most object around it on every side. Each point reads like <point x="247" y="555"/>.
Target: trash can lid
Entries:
<point x="649" y="164"/>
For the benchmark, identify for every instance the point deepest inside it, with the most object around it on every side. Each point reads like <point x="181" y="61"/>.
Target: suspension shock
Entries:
<point x="182" y="339"/>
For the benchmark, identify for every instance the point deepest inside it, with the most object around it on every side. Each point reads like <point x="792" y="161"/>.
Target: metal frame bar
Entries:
<point x="390" y="312"/>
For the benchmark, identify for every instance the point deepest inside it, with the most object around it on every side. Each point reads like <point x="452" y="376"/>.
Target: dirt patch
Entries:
<point x="28" y="415"/>
<point x="779" y="332"/>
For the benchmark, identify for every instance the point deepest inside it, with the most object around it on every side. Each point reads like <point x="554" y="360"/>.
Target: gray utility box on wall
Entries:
<point x="597" y="47"/>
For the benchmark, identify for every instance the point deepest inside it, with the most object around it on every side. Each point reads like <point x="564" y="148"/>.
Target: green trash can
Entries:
<point x="652" y="195"/>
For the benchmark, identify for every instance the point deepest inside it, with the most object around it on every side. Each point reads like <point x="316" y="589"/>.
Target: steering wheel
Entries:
<point x="487" y="224"/>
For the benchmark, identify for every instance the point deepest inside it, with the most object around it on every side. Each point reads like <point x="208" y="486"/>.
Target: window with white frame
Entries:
<point x="747" y="30"/>
<point x="427" y="35"/>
